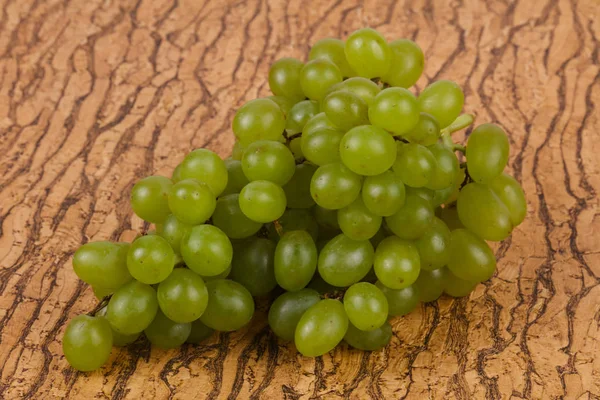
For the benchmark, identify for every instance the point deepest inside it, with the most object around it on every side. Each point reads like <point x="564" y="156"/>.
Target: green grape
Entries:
<point x="199" y="332"/>
<point x="118" y="339"/>
<point x="192" y="201"/>
<point x="87" y="342"/>
<point x="457" y="287"/>
<point x="268" y="161"/>
<point x="150" y="259"/>
<point x="357" y="222"/>
<point x="383" y="194"/>
<point x="101" y="292"/>
<point x="395" y="110"/>
<point x="300" y="114"/>
<point x="149" y="198"/>
<point x="400" y="301"/>
<point x="449" y="194"/>
<point x="396" y="263"/>
<point x="415" y="165"/>
<point x="166" y="334"/>
<point x="364" y="88"/>
<point x="332" y="50"/>
<point x="284" y="103"/>
<point x="377" y="238"/>
<point x="413" y="219"/>
<point x="230" y="306"/>
<point x="295" y="219"/>
<point x="434" y="245"/>
<point x="205" y="166"/>
<point x="284" y="78"/>
<point x="297" y="190"/>
<point x="295" y="147"/>
<point x="287" y="309"/>
<point x="430" y="284"/>
<point x="407" y="63"/>
<point x="102" y="264"/>
<point x="450" y="217"/>
<point x="318" y="123"/>
<point x="173" y="231"/>
<point x="319" y="284"/>
<point x="262" y="201"/>
<point x="487" y="152"/>
<point x="321" y="327"/>
<point x="511" y="194"/>
<point x="222" y="275"/>
<point x="132" y="308"/>
<point x="334" y="186"/>
<point x="258" y="119"/>
<point x="176" y="176"/>
<point x="231" y="220"/>
<point x="424" y="193"/>
<point x="237" y="152"/>
<point x="366" y="306"/>
<point x="345" y="109"/>
<point x="368" y="53"/>
<point x="368" y="150"/>
<point x="369" y="340"/>
<point x="295" y="260"/>
<point x="426" y="132"/>
<point x="344" y="261"/>
<point x="253" y="265"/>
<point x="471" y="258"/>
<point x="443" y="100"/>
<point x="182" y="297"/>
<point x="317" y="76"/>
<point x="483" y="212"/>
<point x="322" y="147"/>
<point x="206" y="250"/>
<point x="236" y="179"/>
<point x="326" y="218"/>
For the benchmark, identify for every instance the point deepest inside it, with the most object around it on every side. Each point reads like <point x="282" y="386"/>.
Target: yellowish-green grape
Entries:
<point x="400" y="301"/>
<point x="366" y="306"/>
<point x="413" y="219"/>
<point x="295" y="260"/>
<point x="326" y="218"/>
<point x="268" y="161"/>
<point x="483" y="212"/>
<point x="333" y="50"/>
<point x="487" y="152"/>
<point x="295" y="147"/>
<point x="415" y="165"/>
<point x="231" y="220"/>
<point x="449" y="215"/>
<point x="395" y="110"/>
<point x="192" y="201"/>
<point x="321" y="328"/>
<point x="149" y="198"/>
<point x="450" y="194"/>
<point x="368" y="150"/>
<point x="322" y="146"/>
<point x="343" y="261"/>
<point x="426" y="132"/>
<point x="443" y="100"/>
<point x="511" y="194"/>
<point x="262" y="201"/>
<point x="230" y="306"/>
<point x="236" y="177"/>
<point x="396" y="263"/>
<point x="173" y="231"/>
<point x="284" y="78"/>
<point x="334" y="186"/>
<point x="368" y="53"/>
<point x="258" y="119"/>
<point x="357" y="222"/>
<point x="431" y="284"/>
<point x="199" y="332"/>
<point x="422" y="192"/>
<point x="102" y="264"/>
<point x="300" y="114"/>
<point x="434" y="245"/>
<point x="457" y="287"/>
<point x="206" y="250"/>
<point x="132" y="308"/>
<point x="205" y="166"/>
<point x="284" y="103"/>
<point x="287" y="309"/>
<point x="253" y="265"/>
<point x="297" y="190"/>
<point x="407" y="63"/>
<point x="166" y="334"/>
<point x="364" y="88"/>
<point x="236" y="153"/>
<point x="182" y="297"/>
<point x="383" y="194"/>
<point x="294" y="219"/>
<point x="471" y="258"/>
<point x="87" y="342"/>
<point x="317" y="76"/>
<point x="150" y="259"/>
<point x="369" y="340"/>
<point x="176" y="176"/>
<point x="318" y="123"/>
<point x="345" y="109"/>
<point x="446" y="167"/>
<point x="118" y="339"/>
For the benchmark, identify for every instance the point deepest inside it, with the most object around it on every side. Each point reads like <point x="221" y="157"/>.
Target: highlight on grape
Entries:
<point x="345" y="200"/>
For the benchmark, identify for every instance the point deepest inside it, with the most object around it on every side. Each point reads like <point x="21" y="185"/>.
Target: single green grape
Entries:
<point x="231" y="220"/>
<point x="176" y="175"/>
<point x="166" y="334"/>
<point x="173" y="231"/>
<point x="510" y="192"/>
<point x="300" y="114"/>
<point x="487" y="152"/>
<point x="102" y="264"/>
<point x="368" y="150"/>
<point x="236" y="179"/>
<point x="415" y="165"/>
<point x="101" y="292"/>
<point x="286" y="310"/>
<point x="408" y="63"/>
<point x="205" y="166"/>
<point x="182" y="297"/>
<point x="149" y="198"/>
<point x="364" y="88"/>
<point x="295" y="146"/>
<point x="297" y="190"/>
<point x="284" y="103"/>
<point x="449" y="194"/>
<point x="395" y="110"/>
<point x="357" y="222"/>
<point x="450" y="217"/>
<point x="434" y="245"/>
<point x="344" y="261"/>
<point x="334" y="186"/>
<point x="87" y="342"/>
<point x="268" y="161"/>
<point x="424" y="193"/>
<point x="446" y="167"/>
<point x="366" y="306"/>
<point x="426" y="132"/>
<point x="192" y="201"/>
<point x="253" y="265"/>
<point x="368" y="53"/>
<point x="237" y="152"/>
<point x="321" y="328"/>
<point x="206" y="250"/>
<point x="118" y="339"/>
<point x="396" y="263"/>
<point x="150" y="259"/>
<point x="400" y="301"/>
<point x="375" y="339"/>
<point x="132" y="308"/>
<point x="413" y="219"/>
<point x="383" y="194"/>
<point x="326" y="218"/>
<point x="345" y="109"/>
<point x="333" y="50"/>
<point x="222" y="275"/>
<point x="317" y="76"/>
<point x="318" y="123"/>
<point x="199" y="332"/>
<point x="262" y="201"/>
<point x="483" y="212"/>
<point x="457" y="287"/>
<point x="322" y="146"/>
<point x="471" y="258"/>
<point x="295" y="219"/>
<point x="443" y="100"/>
<point x="431" y="284"/>
<point x="284" y="78"/>
<point x="295" y="260"/>
<point x="258" y="119"/>
<point x="230" y="305"/>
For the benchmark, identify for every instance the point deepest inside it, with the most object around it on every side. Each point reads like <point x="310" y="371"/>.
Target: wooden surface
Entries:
<point x="97" y="93"/>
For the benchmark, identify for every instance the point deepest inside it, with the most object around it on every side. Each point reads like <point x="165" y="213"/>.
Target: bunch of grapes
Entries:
<point x="344" y="195"/>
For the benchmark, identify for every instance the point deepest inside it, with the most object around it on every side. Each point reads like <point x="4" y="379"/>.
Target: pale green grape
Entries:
<point x="471" y="258"/>
<point x="457" y="287"/>
<point x="368" y="53"/>
<point x="118" y="339"/>
<point x="284" y="78"/>
<point x="368" y="150"/>
<point x="192" y="201"/>
<point x="426" y="132"/>
<point x="431" y="284"/>
<point x="231" y="220"/>
<point x="396" y="263"/>
<point x="415" y="165"/>
<point x="295" y="219"/>
<point x="295" y="146"/>
<point x="287" y="309"/>
<point x="182" y="297"/>
<point x="295" y="260"/>
<point x="443" y="100"/>
<point x="102" y="264"/>
<point x="268" y="161"/>
<point x="132" y="308"/>
<point x="364" y="88"/>
<point x="176" y="175"/>
<point x="262" y="201"/>
<point x="258" y="119"/>
<point x="205" y="166"/>
<point x="318" y="123"/>
<point x="400" y="301"/>
<point x="369" y="340"/>
<point x="236" y="153"/>
<point x="222" y="275"/>
<point x="322" y="146"/>
<point x="87" y="342"/>
<point x="413" y="219"/>
<point x="149" y="198"/>
<point x="446" y="167"/>
<point x="434" y="245"/>
<point x="483" y="212"/>
<point x="284" y="103"/>
<point x="206" y="250"/>
<point x="449" y="194"/>
<point x="344" y="261"/>
<point x="173" y="231"/>
<point x="334" y="186"/>
<point x="230" y="306"/>
<point x="300" y="114"/>
<point x="424" y="193"/>
<point x="253" y="265"/>
<point x="366" y="306"/>
<point x="236" y="179"/>
<point x="297" y="190"/>
<point x="166" y="334"/>
<point x="317" y="76"/>
<point x="357" y="222"/>
<point x="101" y="292"/>
<point x="487" y="152"/>
<point x="199" y="332"/>
<point x="150" y="259"/>
<point x="326" y="218"/>
<point x="394" y="109"/>
<point x="345" y="109"/>
<point x="333" y="50"/>
<point x="383" y="194"/>
<point x="407" y="63"/>
<point x="511" y="194"/>
<point x="321" y="328"/>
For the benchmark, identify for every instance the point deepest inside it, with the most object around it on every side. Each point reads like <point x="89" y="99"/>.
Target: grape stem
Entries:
<point x="459" y="147"/>
<point x="278" y="227"/>
<point x="400" y="139"/>
<point x="103" y="303"/>
<point x="459" y="123"/>
<point x="289" y="139"/>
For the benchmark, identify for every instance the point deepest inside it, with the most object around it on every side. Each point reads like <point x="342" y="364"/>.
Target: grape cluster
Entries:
<point x="344" y="191"/>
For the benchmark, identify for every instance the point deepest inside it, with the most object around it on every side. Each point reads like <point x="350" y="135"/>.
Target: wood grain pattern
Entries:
<point x="97" y="93"/>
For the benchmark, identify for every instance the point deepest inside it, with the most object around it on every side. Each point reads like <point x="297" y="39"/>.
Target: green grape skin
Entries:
<point x="173" y="230"/>
<point x="413" y="219"/>
<point x="487" y="152"/>
<point x="318" y="123"/>
<point x="450" y="217"/>
<point x="357" y="222"/>
<point x="205" y="166"/>
<point x="326" y="218"/>
<point x="368" y="150"/>
<point x="176" y="175"/>
<point x="231" y="220"/>
<point x="321" y="328"/>
<point x="253" y="265"/>
<point x="511" y="194"/>
<point x="396" y="263"/>
<point x="408" y="63"/>
<point x="345" y="109"/>
<point x="449" y="194"/>
<point x="295" y="146"/>
<point x="471" y="259"/>
<point x="132" y="308"/>
<point x="295" y="260"/>
<point x="268" y="161"/>
<point x="400" y="301"/>
<point x="322" y="287"/>
<point x="443" y="100"/>
<point x="199" y="332"/>
<point x="284" y="78"/>
<point x="288" y="308"/>
<point x="297" y="190"/>
<point x="258" y="119"/>
<point x="237" y="152"/>
<point x="333" y="50"/>
<point x="456" y="287"/>
<point x="375" y="339"/>
<point x="284" y="103"/>
<point x="364" y="88"/>
<point x="192" y="201"/>
<point x="295" y="219"/>
<point x="206" y="250"/>
<point x="317" y="76"/>
<point x="230" y="306"/>
<point x="395" y="110"/>
<point x="87" y="342"/>
<point x="166" y="334"/>
<point x="483" y="212"/>
<point x="222" y="275"/>
<point x="334" y="186"/>
<point x="300" y="114"/>
<point x="343" y="261"/>
<point x="368" y="53"/>
<point x="431" y="284"/>
<point x="182" y="297"/>
<point x="366" y="306"/>
<point x="434" y="245"/>
<point x="426" y="132"/>
<point x="150" y="259"/>
<point x="262" y="201"/>
<point x="424" y="193"/>
<point x="236" y="179"/>
<point x="118" y="339"/>
<point x="101" y="292"/>
<point x="321" y="147"/>
<point x="415" y="165"/>
<point x="149" y="198"/>
<point x="102" y="264"/>
<point x="383" y="194"/>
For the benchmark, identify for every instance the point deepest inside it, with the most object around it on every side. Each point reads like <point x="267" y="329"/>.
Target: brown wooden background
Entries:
<point x="95" y="94"/>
